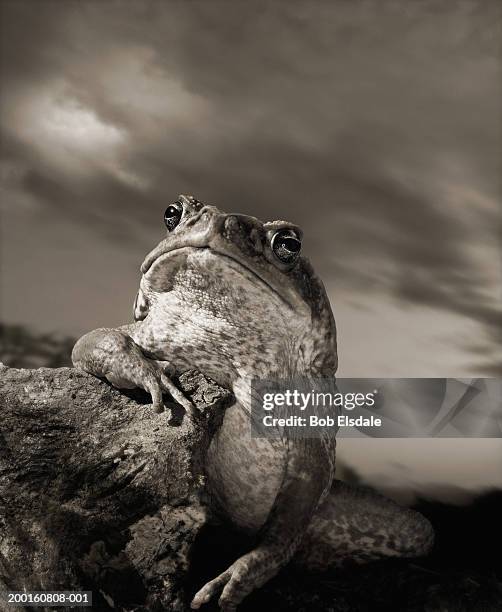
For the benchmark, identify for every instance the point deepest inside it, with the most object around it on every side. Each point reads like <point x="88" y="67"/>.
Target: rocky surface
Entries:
<point x="97" y="491"/>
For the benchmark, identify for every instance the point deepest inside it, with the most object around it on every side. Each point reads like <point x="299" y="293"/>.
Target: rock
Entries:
<point x="97" y="491"/>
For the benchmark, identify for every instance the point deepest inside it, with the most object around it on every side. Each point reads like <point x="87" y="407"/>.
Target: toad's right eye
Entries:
<point x="172" y="215"/>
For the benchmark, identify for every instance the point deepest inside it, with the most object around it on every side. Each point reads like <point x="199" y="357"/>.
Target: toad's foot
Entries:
<point x="112" y="354"/>
<point x="244" y="576"/>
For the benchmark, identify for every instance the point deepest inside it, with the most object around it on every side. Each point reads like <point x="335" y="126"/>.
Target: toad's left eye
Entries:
<point x="286" y="245"/>
<point x="172" y="215"/>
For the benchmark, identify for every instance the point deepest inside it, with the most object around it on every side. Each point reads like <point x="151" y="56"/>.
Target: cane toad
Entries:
<point x="235" y="298"/>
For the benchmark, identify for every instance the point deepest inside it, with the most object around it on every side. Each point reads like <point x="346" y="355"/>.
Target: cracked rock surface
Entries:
<point x="97" y="491"/>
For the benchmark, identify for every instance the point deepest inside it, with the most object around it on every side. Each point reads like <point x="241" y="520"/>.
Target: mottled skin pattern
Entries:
<point x="216" y="295"/>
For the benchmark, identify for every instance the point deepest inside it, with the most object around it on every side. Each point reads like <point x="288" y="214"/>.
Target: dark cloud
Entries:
<point x="371" y="124"/>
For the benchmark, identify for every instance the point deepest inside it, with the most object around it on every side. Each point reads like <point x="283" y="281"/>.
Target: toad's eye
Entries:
<point x="286" y="245"/>
<point x="172" y="215"/>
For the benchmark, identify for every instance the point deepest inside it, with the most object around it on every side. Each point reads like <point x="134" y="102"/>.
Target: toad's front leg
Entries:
<point x="308" y="476"/>
<point x="113" y="354"/>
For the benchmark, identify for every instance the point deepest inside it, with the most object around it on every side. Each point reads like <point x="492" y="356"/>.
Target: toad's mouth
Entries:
<point x="235" y="263"/>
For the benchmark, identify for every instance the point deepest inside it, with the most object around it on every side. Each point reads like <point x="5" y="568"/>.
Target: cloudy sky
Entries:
<point x="376" y="126"/>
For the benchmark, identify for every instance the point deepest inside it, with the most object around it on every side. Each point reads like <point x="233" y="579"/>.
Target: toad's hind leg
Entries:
<point x="354" y="524"/>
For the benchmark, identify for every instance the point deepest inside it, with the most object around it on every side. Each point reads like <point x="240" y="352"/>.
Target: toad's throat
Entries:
<point x="234" y="262"/>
